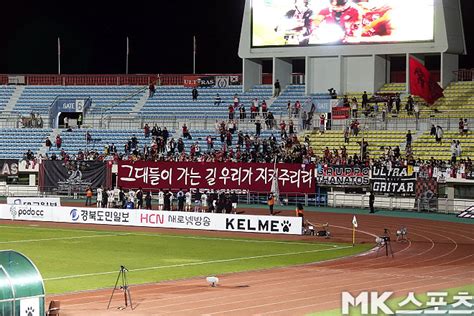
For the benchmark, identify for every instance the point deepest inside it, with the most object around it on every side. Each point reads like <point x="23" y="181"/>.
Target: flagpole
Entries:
<point x="353" y="235"/>
<point x="59" y="56"/>
<point x="194" y="54"/>
<point x="126" y="60"/>
<point x="354" y="226"/>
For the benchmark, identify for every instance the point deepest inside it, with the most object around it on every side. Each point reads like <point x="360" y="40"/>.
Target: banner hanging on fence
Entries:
<point x="9" y="168"/>
<point x="162" y="219"/>
<point x="426" y="191"/>
<point x="256" y="177"/>
<point x="72" y="176"/>
<point x="396" y="180"/>
<point x="343" y="176"/>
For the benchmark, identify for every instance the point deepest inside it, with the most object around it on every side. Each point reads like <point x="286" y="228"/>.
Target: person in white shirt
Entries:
<point x="189" y="203"/>
<point x="99" y="196"/>
<point x="131" y="196"/>
<point x="110" y="198"/>
<point x="203" y="202"/>
<point x="161" y="200"/>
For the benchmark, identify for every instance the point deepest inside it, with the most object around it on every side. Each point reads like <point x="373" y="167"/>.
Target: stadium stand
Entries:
<point x="110" y="99"/>
<point x="16" y="142"/>
<point x="425" y="147"/>
<point x="176" y="101"/>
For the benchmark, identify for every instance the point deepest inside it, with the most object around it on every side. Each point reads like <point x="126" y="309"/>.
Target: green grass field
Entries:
<point x="73" y="260"/>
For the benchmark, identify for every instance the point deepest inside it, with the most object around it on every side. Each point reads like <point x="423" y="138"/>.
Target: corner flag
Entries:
<point x="354" y="226"/>
<point x="354" y="222"/>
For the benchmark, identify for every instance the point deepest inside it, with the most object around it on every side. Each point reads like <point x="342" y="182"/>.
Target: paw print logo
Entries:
<point x="30" y="311"/>
<point x="286" y="226"/>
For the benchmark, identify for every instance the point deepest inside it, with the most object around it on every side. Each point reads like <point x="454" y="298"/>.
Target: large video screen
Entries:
<point x="319" y="22"/>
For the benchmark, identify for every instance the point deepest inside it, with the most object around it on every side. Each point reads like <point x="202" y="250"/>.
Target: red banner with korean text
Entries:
<point x="254" y="177"/>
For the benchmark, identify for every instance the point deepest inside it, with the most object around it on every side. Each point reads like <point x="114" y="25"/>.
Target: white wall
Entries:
<point x="358" y="74"/>
<point x="282" y="69"/>
<point x="326" y="73"/>
<point x="381" y="69"/>
<point x="253" y="73"/>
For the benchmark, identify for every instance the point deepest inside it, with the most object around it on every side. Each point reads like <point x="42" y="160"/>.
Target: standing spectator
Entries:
<point x="231" y="112"/>
<point x="59" y="141"/>
<point x="417" y="111"/>
<point x="458" y="148"/>
<point x="258" y="127"/>
<point x="371" y="202"/>
<point x="365" y="100"/>
<point x="242" y="112"/>
<point x="195" y="94"/>
<point x="304" y="118"/>
<point x="99" y="196"/>
<point x="277" y="88"/>
<point x="433" y="130"/>
<point x="203" y="202"/>
<point x="148" y="200"/>
<point x="161" y="200"/>
<point x="151" y="90"/>
<point x="66" y="122"/>
<point x="88" y="137"/>
<point x="188" y="197"/>
<point x="409" y="138"/>
<point x="89" y="194"/>
<point x="180" y="197"/>
<point x="291" y="128"/>
<point x="210" y="143"/>
<point x="146" y="130"/>
<point x="236" y="100"/>
<point x="354" y="107"/>
<point x="282" y="129"/>
<point x="288" y="108"/>
<point x="186" y="132"/>
<point x="398" y="102"/>
<point x="139" y="195"/>
<point x="271" y="202"/>
<point x="322" y="124"/>
<point x="264" y="109"/>
<point x="217" y="100"/>
<point x="167" y="201"/>
<point x="465" y="127"/>
<point x="439" y="134"/>
<point x="346" y="134"/>
<point x="79" y="120"/>
<point x="234" y="199"/>
<point x="48" y="143"/>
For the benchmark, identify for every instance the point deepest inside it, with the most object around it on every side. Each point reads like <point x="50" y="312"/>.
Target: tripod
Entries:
<point x="124" y="286"/>
<point x="385" y="244"/>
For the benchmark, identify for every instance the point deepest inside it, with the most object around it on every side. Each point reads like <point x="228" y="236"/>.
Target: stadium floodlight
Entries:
<point x="212" y="281"/>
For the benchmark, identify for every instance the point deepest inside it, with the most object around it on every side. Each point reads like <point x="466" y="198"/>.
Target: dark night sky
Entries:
<point x="93" y="36"/>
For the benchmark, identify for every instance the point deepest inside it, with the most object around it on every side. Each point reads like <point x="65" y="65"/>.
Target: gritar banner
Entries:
<point x="346" y="176"/>
<point x="316" y="22"/>
<point x="396" y="180"/>
<point x="72" y="176"/>
<point x="256" y="177"/>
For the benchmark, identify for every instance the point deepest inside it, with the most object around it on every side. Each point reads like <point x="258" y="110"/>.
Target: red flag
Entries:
<point x="422" y="83"/>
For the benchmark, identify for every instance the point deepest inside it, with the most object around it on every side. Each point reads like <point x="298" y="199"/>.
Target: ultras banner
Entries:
<point x="72" y="176"/>
<point x="345" y="176"/>
<point x="396" y="180"/>
<point x="256" y="177"/>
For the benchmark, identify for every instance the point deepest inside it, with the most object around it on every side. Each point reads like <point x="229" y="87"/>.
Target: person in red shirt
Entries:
<point x="231" y="112"/>
<point x="264" y="108"/>
<point x="342" y="13"/>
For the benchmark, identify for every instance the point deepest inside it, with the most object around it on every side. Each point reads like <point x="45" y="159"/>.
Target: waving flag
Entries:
<point x="422" y="83"/>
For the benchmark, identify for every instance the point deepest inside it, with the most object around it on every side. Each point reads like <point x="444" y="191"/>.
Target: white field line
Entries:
<point x="197" y="263"/>
<point x="60" y="238"/>
<point x="177" y="236"/>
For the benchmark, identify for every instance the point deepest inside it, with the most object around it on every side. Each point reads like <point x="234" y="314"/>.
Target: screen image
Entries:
<point x="319" y="22"/>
